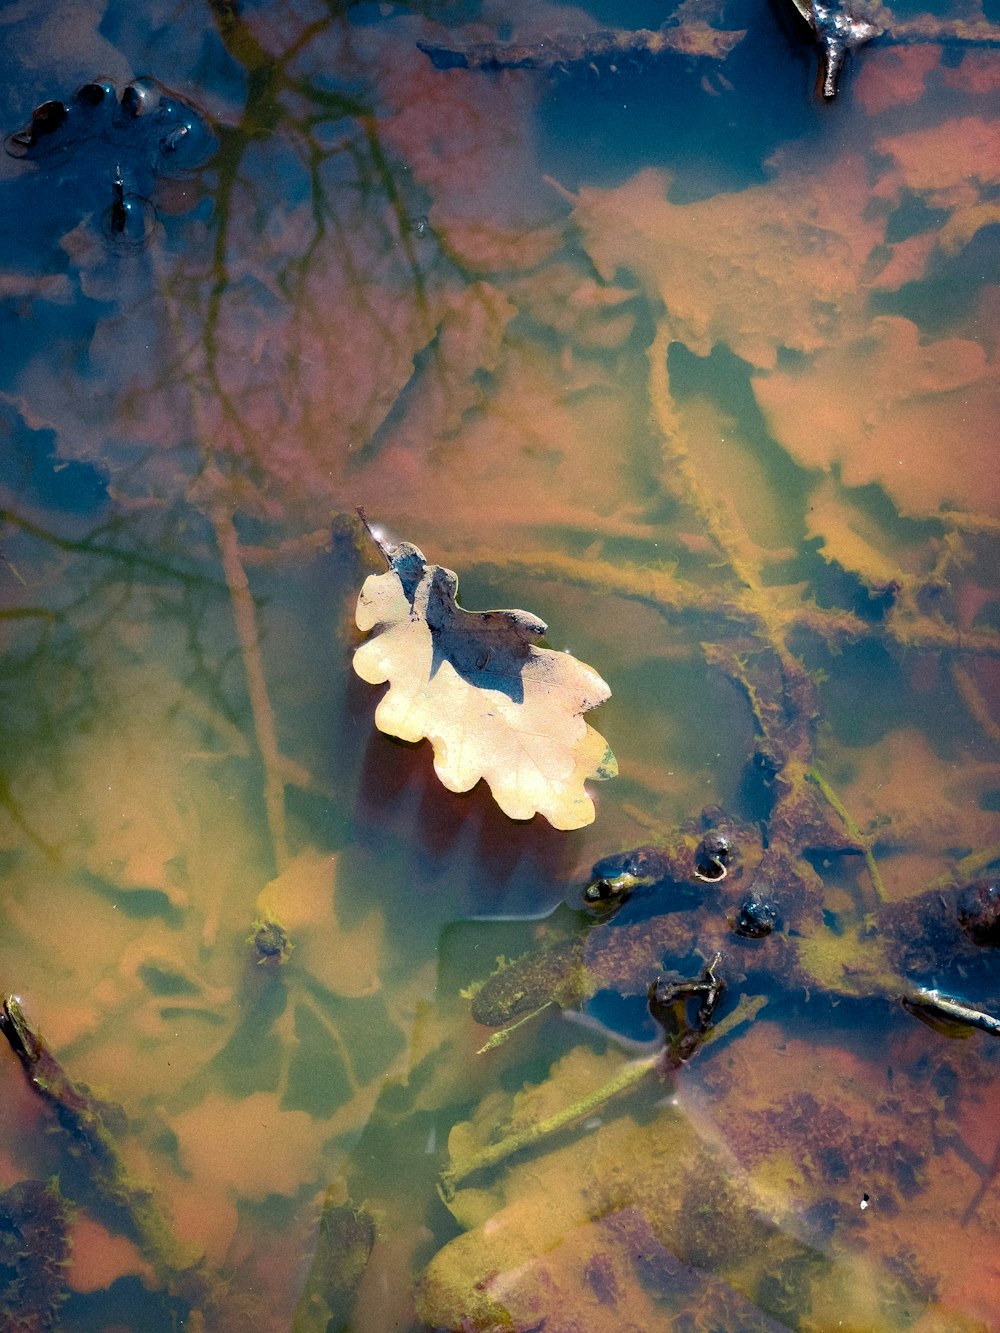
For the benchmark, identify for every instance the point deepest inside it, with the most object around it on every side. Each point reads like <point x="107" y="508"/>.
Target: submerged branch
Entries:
<point x="606" y="46"/>
<point x="835" y="803"/>
<point x="82" y="1118"/>
<point x="671" y="596"/>
<point x="935" y="1008"/>
<point x="630" y="1076"/>
<point x="245" y="616"/>
<point x="691" y="32"/>
<point x="505" y="1033"/>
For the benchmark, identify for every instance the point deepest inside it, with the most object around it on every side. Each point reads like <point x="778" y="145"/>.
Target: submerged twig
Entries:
<point x="505" y="1033"/>
<point x="82" y="1119"/>
<point x="835" y="803"/>
<point x="973" y="699"/>
<point x="607" y="45"/>
<point x="245" y="615"/>
<point x="628" y="1077"/>
<point x="672" y="596"/>
<point x="839" y="27"/>
<point x="932" y="1006"/>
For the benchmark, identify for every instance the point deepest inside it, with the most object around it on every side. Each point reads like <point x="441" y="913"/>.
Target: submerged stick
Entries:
<point x="628" y="1077"/>
<point x="835" y="803"/>
<point x="245" y="615"/>
<point x="933" y="1007"/>
<point x="839" y="28"/>
<point x="82" y="1119"/>
<point x="563" y="49"/>
<point x="503" y="1034"/>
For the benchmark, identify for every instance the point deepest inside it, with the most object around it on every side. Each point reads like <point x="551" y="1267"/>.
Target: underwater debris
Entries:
<point x="343" y="1247"/>
<point x="669" y="998"/>
<point x="752" y="899"/>
<point x="517" y="1257"/>
<point x="769" y="928"/>
<point x="34" y="1253"/>
<point x="839" y="28"/>
<point x="838" y="31"/>
<point x="83" y="1119"/>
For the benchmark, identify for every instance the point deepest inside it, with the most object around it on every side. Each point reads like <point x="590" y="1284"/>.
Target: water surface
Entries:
<point x="694" y="367"/>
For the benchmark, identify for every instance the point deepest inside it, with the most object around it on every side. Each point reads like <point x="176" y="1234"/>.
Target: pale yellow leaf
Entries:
<point x="492" y="703"/>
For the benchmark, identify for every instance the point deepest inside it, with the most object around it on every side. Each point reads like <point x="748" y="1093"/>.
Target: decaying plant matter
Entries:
<point x="107" y="1184"/>
<point x="748" y="899"/>
<point x="839" y="28"/>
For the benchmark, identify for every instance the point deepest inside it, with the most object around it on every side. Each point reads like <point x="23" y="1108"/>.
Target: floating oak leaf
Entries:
<point x="492" y="703"/>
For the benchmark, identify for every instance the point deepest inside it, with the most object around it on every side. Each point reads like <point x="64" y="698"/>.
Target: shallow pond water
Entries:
<point x="649" y="340"/>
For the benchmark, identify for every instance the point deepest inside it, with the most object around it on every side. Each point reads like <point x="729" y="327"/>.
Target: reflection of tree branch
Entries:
<point x="271" y="83"/>
<point x="973" y="699"/>
<point x="13" y="808"/>
<point x="90" y="545"/>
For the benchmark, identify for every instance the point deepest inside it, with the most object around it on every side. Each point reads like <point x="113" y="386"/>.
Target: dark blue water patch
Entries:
<point x="988" y="616"/>
<point x="99" y="154"/>
<point x="864" y="671"/>
<point x="165" y="982"/>
<point x="673" y="112"/>
<point x="865" y="694"/>
<point x="835" y="586"/>
<point x="127" y="1303"/>
<point x="755" y="795"/>
<point x="626" y="1016"/>
<point x="317" y="1082"/>
<point x="253" y="1057"/>
<point x="911" y="217"/>
<point x="31" y="469"/>
<point x="629" y="13"/>
<point x="139" y="904"/>
<point x="725" y="378"/>
<point x="907" y="9"/>
<point x="449" y="13"/>
<point x="948" y="299"/>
